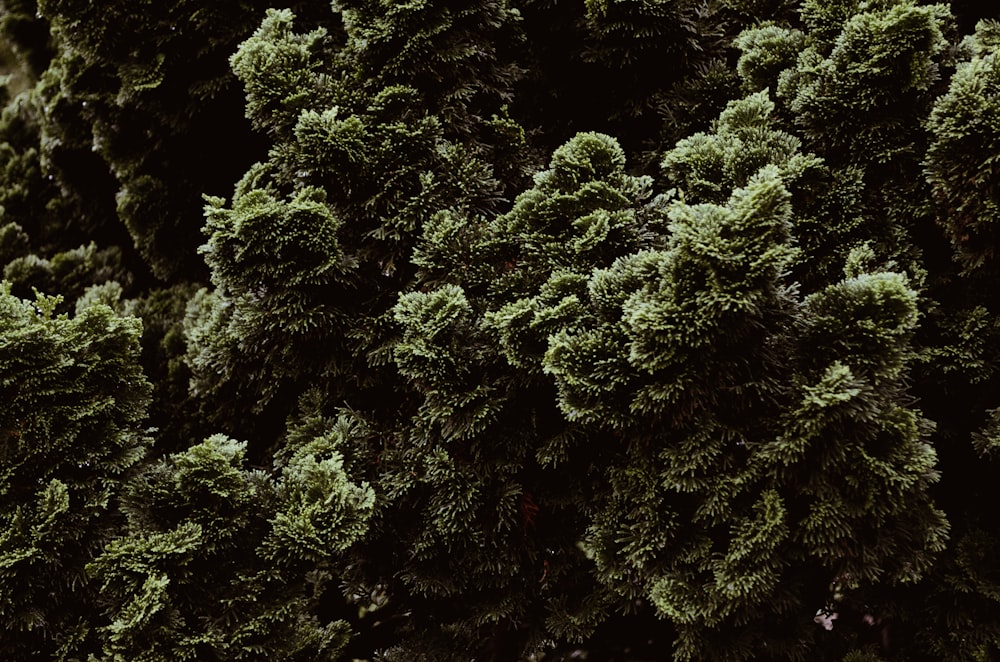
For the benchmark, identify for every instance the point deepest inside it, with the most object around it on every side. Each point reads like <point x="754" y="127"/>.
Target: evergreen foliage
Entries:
<point x="221" y="562"/>
<point x="961" y="159"/>
<point x="506" y="330"/>
<point x="74" y="398"/>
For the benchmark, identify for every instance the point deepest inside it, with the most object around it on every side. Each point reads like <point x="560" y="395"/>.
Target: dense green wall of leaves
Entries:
<point x="499" y="330"/>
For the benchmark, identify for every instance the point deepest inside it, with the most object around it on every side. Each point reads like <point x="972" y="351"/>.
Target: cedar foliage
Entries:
<point x="499" y="330"/>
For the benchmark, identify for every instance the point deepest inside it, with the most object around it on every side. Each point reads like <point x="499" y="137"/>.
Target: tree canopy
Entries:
<point x="500" y="330"/>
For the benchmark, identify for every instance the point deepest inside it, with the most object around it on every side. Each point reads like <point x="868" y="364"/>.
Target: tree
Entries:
<point x="74" y="398"/>
<point x="495" y="477"/>
<point x="221" y="562"/>
<point x="959" y="159"/>
<point x="358" y="166"/>
<point x="708" y="500"/>
<point x="123" y="106"/>
<point x="539" y="330"/>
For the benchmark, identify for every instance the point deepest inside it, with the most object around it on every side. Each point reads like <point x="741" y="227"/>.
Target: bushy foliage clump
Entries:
<point x="499" y="330"/>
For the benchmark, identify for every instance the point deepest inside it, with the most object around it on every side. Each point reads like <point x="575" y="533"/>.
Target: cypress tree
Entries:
<point x="219" y="561"/>
<point x="964" y="135"/>
<point x="538" y="330"/>
<point x="74" y="398"/>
